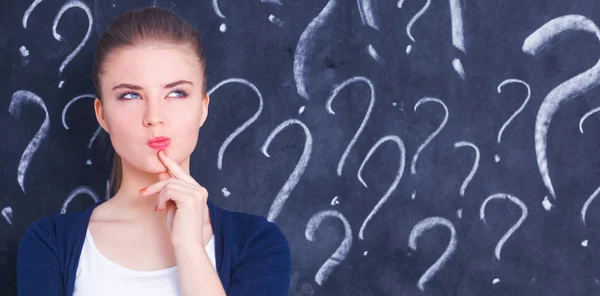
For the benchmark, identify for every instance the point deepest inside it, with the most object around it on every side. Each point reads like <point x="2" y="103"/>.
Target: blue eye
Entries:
<point x="124" y="96"/>
<point x="181" y="93"/>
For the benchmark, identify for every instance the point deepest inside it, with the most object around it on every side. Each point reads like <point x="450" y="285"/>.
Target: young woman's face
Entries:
<point x="149" y="91"/>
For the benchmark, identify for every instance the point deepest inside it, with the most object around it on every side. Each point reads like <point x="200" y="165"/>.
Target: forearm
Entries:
<point x="197" y="276"/>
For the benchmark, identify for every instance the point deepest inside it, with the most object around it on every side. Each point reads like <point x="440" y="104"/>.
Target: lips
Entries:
<point x="159" y="143"/>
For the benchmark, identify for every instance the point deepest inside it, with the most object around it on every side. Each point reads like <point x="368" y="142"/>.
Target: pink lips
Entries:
<point x="159" y="143"/>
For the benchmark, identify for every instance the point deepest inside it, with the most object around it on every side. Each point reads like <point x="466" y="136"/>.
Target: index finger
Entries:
<point x="174" y="168"/>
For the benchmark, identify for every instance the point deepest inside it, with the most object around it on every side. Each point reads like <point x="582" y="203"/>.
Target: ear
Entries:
<point x="204" y="114"/>
<point x="100" y="114"/>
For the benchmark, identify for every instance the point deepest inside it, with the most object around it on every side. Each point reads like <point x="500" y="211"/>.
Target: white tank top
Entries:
<point x="98" y="275"/>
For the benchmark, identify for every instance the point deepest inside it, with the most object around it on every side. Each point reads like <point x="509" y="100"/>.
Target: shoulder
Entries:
<point x="251" y="233"/>
<point x="53" y="230"/>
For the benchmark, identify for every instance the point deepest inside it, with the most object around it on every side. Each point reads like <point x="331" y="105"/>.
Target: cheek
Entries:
<point x="187" y="131"/>
<point x="124" y="132"/>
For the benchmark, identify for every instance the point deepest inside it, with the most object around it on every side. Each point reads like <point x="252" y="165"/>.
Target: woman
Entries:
<point x="159" y="234"/>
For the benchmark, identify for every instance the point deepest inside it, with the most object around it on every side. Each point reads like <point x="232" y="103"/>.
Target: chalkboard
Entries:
<point x="404" y="148"/>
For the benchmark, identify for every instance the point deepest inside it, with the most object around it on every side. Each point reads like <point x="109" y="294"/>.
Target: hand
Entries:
<point x="184" y="201"/>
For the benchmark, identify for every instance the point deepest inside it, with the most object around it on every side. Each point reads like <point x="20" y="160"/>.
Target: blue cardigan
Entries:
<point x="252" y="254"/>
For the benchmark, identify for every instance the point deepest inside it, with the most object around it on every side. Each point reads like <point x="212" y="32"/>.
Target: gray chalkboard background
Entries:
<point x="404" y="148"/>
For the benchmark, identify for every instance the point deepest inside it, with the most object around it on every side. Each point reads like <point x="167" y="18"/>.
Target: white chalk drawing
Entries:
<point x="335" y="201"/>
<point x="273" y="19"/>
<point x="458" y="36"/>
<point x="58" y="37"/>
<point x="412" y="22"/>
<point x="64" y="121"/>
<point x="340" y="254"/>
<point x="294" y="178"/>
<point x="418" y="230"/>
<point x="512" y="117"/>
<point x="587" y="203"/>
<point x="23" y="51"/>
<point x="514" y="228"/>
<point x="7" y="214"/>
<point x="402" y="162"/>
<point x="469" y="177"/>
<point x="76" y="192"/>
<point x="373" y="53"/>
<point x="413" y="164"/>
<point x="305" y="47"/>
<point x="585" y="116"/>
<point x="28" y="12"/>
<point x="16" y="103"/>
<point x="368" y="15"/>
<point x="223" y="26"/>
<point x="336" y="90"/>
<point x="567" y="90"/>
<point x="246" y="124"/>
<point x="225" y="192"/>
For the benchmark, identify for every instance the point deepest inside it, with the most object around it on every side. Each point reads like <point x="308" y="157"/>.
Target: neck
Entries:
<point x="133" y="180"/>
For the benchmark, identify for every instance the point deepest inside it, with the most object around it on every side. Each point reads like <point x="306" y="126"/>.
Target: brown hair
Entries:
<point x="138" y="27"/>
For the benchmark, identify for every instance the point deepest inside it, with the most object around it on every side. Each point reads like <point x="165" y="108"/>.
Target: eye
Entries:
<point x="180" y="93"/>
<point x="128" y="96"/>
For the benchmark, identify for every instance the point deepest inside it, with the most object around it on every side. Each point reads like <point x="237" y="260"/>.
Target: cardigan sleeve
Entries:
<point x="266" y="268"/>
<point x="38" y="267"/>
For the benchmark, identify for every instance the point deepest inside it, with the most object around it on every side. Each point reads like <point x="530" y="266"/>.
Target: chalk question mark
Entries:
<point x="16" y="102"/>
<point x="514" y="228"/>
<point x="294" y="178"/>
<point x="223" y="26"/>
<point x="333" y="95"/>
<point x="402" y="150"/>
<point x="590" y="199"/>
<point x="510" y="231"/>
<point x="246" y="124"/>
<point x="413" y="164"/>
<point x="418" y="230"/>
<point x="64" y="121"/>
<point x="340" y="253"/>
<point x="510" y="119"/>
<point x="58" y="37"/>
<point x="306" y="45"/>
<point x="458" y="37"/>
<point x="412" y="22"/>
<point x="471" y="174"/>
<point x="563" y="93"/>
<point x="74" y="193"/>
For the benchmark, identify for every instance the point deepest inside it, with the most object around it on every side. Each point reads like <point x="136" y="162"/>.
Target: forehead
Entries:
<point x="151" y="64"/>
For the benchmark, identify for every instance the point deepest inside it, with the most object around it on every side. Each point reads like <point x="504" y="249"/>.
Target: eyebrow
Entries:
<point x="137" y="87"/>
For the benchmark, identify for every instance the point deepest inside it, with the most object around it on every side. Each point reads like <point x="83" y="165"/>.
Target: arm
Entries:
<point x="197" y="275"/>
<point x="266" y="268"/>
<point x="38" y="268"/>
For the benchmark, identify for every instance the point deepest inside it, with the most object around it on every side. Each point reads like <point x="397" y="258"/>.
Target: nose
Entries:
<point x="153" y="115"/>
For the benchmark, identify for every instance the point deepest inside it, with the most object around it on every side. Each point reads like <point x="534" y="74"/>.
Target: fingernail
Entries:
<point x="142" y="190"/>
